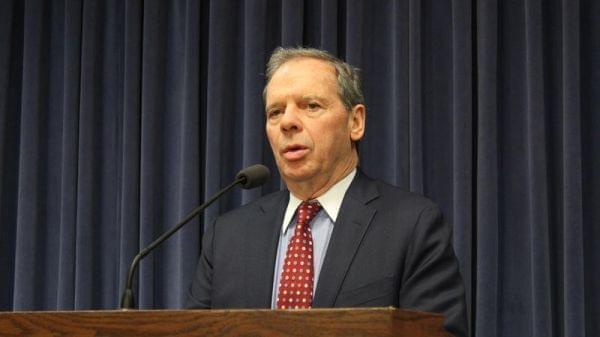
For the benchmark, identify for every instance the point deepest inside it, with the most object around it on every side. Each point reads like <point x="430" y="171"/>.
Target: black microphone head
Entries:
<point x="253" y="176"/>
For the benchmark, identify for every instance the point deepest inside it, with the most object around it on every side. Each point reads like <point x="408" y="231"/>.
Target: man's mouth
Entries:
<point x="294" y="152"/>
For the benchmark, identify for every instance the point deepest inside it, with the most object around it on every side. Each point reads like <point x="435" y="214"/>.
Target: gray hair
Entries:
<point x="348" y="79"/>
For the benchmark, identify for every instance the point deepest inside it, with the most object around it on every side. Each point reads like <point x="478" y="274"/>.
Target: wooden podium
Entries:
<point x="378" y="322"/>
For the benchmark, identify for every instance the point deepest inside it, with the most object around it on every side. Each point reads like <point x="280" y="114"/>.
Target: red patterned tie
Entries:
<point x="296" y="281"/>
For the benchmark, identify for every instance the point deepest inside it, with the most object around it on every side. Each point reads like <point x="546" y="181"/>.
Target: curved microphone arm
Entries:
<point x="127" y="301"/>
<point x="250" y="177"/>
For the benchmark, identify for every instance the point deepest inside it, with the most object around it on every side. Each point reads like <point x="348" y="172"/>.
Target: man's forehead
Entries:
<point x="295" y="73"/>
<point x="305" y="63"/>
<point x="307" y="59"/>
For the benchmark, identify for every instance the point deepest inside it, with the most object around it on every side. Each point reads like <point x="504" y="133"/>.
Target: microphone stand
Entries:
<point x="127" y="301"/>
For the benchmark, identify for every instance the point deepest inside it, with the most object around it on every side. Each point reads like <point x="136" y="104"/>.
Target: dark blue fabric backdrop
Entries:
<point x="119" y="117"/>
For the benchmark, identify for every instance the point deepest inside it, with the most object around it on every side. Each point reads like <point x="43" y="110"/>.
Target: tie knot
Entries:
<point x="308" y="210"/>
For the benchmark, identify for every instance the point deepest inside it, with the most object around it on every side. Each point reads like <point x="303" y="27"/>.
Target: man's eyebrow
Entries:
<point x="312" y="97"/>
<point x="304" y="97"/>
<point x="316" y="97"/>
<point x="271" y="106"/>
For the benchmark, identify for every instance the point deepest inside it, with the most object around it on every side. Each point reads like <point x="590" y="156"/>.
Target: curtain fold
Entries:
<point x="537" y="175"/>
<point x="487" y="269"/>
<point x="130" y="135"/>
<point x="590" y="138"/>
<point x="118" y="118"/>
<point x="72" y="19"/>
<point x="33" y="240"/>
<point x="463" y="133"/>
<point x="417" y="58"/>
<point x="574" y="291"/>
<point x="10" y="84"/>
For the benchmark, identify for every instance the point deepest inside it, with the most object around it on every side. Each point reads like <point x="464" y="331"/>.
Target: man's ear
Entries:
<point x="356" y="122"/>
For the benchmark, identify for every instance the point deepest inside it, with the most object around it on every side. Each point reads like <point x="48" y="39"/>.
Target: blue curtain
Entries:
<point x="119" y="117"/>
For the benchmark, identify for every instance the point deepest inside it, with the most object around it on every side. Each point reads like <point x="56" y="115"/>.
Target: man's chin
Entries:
<point x="296" y="175"/>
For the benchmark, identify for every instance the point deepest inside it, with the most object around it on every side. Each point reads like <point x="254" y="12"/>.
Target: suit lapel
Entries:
<point x="260" y="252"/>
<point x="353" y="220"/>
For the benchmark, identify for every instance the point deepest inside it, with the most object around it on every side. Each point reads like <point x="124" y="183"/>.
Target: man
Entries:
<point x="335" y="238"/>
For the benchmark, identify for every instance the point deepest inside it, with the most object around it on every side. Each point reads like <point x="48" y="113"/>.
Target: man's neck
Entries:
<point x="307" y="190"/>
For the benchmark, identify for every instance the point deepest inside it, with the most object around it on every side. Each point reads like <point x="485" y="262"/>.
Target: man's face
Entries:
<point x="309" y="129"/>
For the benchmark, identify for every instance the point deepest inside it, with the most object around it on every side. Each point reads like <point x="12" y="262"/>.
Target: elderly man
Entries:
<point x="334" y="238"/>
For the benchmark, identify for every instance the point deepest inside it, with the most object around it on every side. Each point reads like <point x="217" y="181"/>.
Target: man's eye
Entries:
<point x="313" y="106"/>
<point x="273" y="113"/>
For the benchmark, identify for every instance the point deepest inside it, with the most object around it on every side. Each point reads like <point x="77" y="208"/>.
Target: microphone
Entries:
<point x="250" y="177"/>
<point x="253" y="176"/>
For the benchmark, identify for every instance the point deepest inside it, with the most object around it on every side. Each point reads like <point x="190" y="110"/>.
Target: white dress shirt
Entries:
<point x="321" y="229"/>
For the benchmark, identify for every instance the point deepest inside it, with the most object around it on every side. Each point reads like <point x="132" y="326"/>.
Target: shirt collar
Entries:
<point x="330" y="201"/>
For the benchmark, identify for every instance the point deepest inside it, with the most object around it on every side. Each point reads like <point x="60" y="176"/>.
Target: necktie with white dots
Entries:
<point x="296" y="281"/>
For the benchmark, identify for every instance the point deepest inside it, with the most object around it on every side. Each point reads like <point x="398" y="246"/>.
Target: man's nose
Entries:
<point x="290" y="120"/>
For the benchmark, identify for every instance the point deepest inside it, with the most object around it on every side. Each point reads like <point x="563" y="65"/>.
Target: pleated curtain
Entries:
<point x="119" y="117"/>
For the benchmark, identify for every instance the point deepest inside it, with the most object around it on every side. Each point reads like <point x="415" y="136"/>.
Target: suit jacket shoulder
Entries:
<point x="392" y="247"/>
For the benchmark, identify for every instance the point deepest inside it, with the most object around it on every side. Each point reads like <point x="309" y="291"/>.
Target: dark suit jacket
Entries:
<point x="388" y="248"/>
